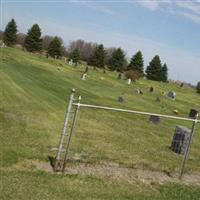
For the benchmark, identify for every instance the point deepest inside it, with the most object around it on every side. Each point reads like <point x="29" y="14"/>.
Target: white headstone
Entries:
<point x="84" y="77"/>
<point x="71" y="62"/>
<point x="129" y="81"/>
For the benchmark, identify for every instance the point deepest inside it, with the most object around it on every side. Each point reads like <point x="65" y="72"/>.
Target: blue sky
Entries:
<point x="170" y="28"/>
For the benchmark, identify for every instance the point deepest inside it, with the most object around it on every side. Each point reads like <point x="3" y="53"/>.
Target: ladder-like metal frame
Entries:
<point x="66" y="135"/>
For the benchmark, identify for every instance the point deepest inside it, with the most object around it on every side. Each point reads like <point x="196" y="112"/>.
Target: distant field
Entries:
<point x="34" y="95"/>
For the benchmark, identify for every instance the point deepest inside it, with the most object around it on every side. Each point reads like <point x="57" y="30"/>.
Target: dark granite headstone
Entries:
<point x="193" y="113"/>
<point x="120" y="99"/>
<point x="154" y="119"/>
<point x="180" y="139"/>
<point x="141" y="92"/>
<point x="151" y="89"/>
<point x="158" y="99"/>
<point x="172" y="95"/>
<point x="119" y="76"/>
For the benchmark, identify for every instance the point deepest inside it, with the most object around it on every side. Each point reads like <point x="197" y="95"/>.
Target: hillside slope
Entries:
<point x="34" y="95"/>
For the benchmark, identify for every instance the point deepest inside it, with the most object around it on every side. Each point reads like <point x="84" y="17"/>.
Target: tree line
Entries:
<point x="94" y="54"/>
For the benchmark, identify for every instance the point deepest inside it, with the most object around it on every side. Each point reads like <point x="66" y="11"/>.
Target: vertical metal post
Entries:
<point x="186" y="154"/>
<point x="63" y="133"/>
<point x="71" y="132"/>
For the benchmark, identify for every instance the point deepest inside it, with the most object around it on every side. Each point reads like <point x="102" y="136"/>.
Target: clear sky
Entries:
<point x="170" y="28"/>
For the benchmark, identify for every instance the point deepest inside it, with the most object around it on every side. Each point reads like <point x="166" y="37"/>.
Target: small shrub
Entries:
<point x="132" y="74"/>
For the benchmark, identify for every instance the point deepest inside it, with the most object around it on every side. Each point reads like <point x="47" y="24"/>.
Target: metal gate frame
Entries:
<point x="78" y="105"/>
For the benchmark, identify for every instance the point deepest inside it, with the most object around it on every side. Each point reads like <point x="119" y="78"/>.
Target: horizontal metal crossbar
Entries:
<point x="136" y="112"/>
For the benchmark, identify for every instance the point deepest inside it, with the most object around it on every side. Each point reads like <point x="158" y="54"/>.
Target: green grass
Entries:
<point x="34" y="94"/>
<point x="39" y="185"/>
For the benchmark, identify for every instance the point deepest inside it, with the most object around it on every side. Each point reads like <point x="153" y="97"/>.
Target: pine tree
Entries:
<point x="98" y="57"/>
<point x="33" y="41"/>
<point x="75" y="55"/>
<point x="55" y="48"/>
<point x="164" y="73"/>
<point x="118" y="60"/>
<point x="10" y="33"/>
<point x="198" y="87"/>
<point x="153" y="70"/>
<point x="137" y="63"/>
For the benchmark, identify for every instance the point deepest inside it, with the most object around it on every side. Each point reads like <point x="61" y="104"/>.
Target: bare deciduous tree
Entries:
<point x="20" y="38"/>
<point x="1" y="35"/>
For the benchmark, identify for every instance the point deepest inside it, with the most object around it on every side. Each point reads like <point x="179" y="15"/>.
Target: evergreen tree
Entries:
<point x="33" y="41"/>
<point x="153" y="70"/>
<point x="118" y="60"/>
<point x="75" y="55"/>
<point x="55" y="48"/>
<point x="198" y="87"/>
<point x="10" y="33"/>
<point x="164" y="73"/>
<point x="137" y="63"/>
<point x="98" y="57"/>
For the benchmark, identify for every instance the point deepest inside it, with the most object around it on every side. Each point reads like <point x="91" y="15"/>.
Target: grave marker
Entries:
<point x="154" y="119"/>
<point x="172" y="95"/>
<point x="83" y="77"/>
<point x="120" y="99"/>
<point x="180" y="139"/>
<point x="193" y="113"/>
<point x="129" y="81"/>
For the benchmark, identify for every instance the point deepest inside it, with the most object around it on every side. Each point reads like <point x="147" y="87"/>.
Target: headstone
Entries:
<point x="151" y="89"/>
<point x="180" y="139"/>
<point x="172" y="95"/>
<point x="140" y="92"/>
<point x="83" y="77"/>
<point x="71" y="62"/>
<point x="154" y="119"/>
<point x="129" y="81"/>
<point x="2" y="44"/>
<point x="120" y="99"/>
<point x="181" y="85"/>
<point x="158" y="99"/>
<point x="176" y="112"/>
<point x="119" y="76"/>
<point x="193" y="113"/>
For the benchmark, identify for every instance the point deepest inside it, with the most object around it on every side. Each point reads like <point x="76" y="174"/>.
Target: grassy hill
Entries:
<point x="34" y="95"/>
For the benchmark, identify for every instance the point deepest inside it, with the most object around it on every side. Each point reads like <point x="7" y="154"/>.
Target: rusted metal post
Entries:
<point x="186" y="154"/>
<point x="71" y="132"/>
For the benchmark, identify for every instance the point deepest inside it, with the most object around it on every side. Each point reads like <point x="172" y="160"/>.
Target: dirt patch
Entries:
<point x="113" y="171"/>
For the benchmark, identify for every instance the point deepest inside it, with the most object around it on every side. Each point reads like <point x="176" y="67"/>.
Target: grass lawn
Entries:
<point x="34" y="95"/>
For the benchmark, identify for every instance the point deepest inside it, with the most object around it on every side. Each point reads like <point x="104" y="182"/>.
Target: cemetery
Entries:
<point x="123" y="139"/>
<point x="100" y="100"/>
